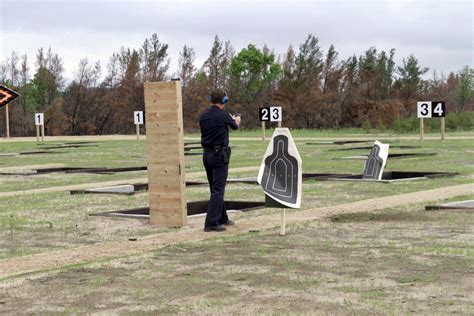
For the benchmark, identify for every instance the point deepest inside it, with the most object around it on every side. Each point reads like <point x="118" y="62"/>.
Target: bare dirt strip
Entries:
<point x="193" y="232"/>
<point x="82" y="186"/>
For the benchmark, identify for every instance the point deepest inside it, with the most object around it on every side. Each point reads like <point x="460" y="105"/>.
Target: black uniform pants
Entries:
<point x="216" y="171"/>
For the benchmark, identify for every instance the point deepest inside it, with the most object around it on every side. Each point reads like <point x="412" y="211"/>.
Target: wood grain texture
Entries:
<point x="165" y="150"/>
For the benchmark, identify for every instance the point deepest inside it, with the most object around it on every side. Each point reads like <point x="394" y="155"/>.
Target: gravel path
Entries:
<point x="193" y="232"/>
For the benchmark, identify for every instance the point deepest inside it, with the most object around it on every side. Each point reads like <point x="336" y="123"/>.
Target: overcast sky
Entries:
<point x="438" y="33"/>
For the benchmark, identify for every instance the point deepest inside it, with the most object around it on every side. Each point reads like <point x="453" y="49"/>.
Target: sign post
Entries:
<point x="138" y="119"/>
<point x="270" y="114"/>
<point x="423" y="110"/>
<point x="6" y="96"/>
<point x="39" y="122"/>
<point x="276" y="114"/>
<point x="443" y="127"/>
<point x="7" y="122"/>
<point x="439" y="110"/>
<point x="428" y="109"/>
<point x="264" y="117"/>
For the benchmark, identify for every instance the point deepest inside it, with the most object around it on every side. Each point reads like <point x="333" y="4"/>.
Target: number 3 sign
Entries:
<point x="431" y="109"/>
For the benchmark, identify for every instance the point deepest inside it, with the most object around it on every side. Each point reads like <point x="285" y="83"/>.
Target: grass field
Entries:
<point x="390" y="261"/>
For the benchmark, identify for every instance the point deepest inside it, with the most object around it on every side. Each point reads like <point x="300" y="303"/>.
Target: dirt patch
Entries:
<point x="384" y="267"/>
<point x="193" y="232"/>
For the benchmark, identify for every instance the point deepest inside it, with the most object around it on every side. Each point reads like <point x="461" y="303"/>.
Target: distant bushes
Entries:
<point x="463" y="121"/>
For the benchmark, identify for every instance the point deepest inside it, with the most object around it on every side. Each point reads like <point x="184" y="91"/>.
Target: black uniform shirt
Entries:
<point x="214" y="127"/>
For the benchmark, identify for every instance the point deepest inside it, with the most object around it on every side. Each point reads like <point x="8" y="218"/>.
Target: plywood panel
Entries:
<point x="165" y="148"/>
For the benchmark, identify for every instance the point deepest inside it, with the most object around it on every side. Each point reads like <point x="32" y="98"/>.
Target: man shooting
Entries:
<point x="214" y="123"/>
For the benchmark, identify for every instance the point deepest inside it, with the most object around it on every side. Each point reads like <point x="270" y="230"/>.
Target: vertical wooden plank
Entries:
<point x="263" y="130"/>
<point x="37" y="133"/>
<point x="42" y="132"/>
<point x="443" y="127"/>
<point x="165" y="147"/>
<point x="7" y="121"/>
<point x="422" y="128"/>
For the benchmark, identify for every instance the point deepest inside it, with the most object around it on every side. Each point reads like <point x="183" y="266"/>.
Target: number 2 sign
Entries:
<point x="426" y="109"/>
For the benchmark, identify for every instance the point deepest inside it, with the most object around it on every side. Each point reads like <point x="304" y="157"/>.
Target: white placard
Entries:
<point x="39" y="119"/>
<point x="276" y="114"/>
<point x="138" y="117"/>
<point x="424" y="109"/>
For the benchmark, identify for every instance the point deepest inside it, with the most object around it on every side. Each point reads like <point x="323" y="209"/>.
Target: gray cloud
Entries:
<point x="439" y="33"/>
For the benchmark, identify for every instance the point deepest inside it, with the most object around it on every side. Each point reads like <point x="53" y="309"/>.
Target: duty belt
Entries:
<point x="211" y="149"/>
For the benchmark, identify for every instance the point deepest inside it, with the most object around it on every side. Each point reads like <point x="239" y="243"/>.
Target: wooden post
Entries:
<point x="165" y="147"/>
<point x="263" y="130"/>
<point x="7" y="122"/>
<point x="279" y="124"/>
<point x="138" y="131"/>
<point x="42" y="132"/>
<point x="282" y="223"/>
<point x="443" y="127"/>
<point x="422" y="127"/>
<point x="37" y="133"/>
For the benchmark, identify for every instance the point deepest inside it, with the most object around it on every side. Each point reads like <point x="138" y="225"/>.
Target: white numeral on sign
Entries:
<point x="138" y="117"/>
<point x="275" y="114"/>
<point x="439" y="109"/>
<point x="264" y="114"/>
<point x="39" y="119"/>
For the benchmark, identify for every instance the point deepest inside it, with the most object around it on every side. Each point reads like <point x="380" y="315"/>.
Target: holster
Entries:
<point x="226" y="152"/>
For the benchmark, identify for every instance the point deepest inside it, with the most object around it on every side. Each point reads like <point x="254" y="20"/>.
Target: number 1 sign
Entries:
<point x="39" y="122"/>
<point x="138" y="119"/>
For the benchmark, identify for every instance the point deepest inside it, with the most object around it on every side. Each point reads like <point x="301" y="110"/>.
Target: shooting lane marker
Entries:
<point x="165" y="147"/>
<point x="138" y="120"/>
<point x="39" y="122"/>
<point x="280" y="174"/>
<point x="428" y="109"/>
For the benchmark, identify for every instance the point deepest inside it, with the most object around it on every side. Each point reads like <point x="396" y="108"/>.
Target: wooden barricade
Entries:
<point x="166" y="164"/>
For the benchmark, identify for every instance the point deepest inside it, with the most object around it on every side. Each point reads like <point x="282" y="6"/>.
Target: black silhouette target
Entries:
<point x="374" y="164"/>
<point x="280" y="175"/>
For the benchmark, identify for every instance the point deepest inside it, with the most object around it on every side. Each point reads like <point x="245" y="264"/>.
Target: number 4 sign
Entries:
<point x="428" y="109"/>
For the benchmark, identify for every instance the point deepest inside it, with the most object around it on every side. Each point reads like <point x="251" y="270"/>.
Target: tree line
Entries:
<point x="316" y="88"/>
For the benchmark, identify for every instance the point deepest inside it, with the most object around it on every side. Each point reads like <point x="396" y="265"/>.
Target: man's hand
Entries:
<point x="237" y="119"/>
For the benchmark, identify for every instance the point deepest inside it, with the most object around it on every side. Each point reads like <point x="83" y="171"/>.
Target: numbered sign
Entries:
<point x="138" y="117"/>
<point x="424" y="109"/>
<point x="431" y="109"/>
<point x="438" y="108"/>
<point x="39" y="119"/>
<point x="264" y="114"/>
<point x="275" y="114"/>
